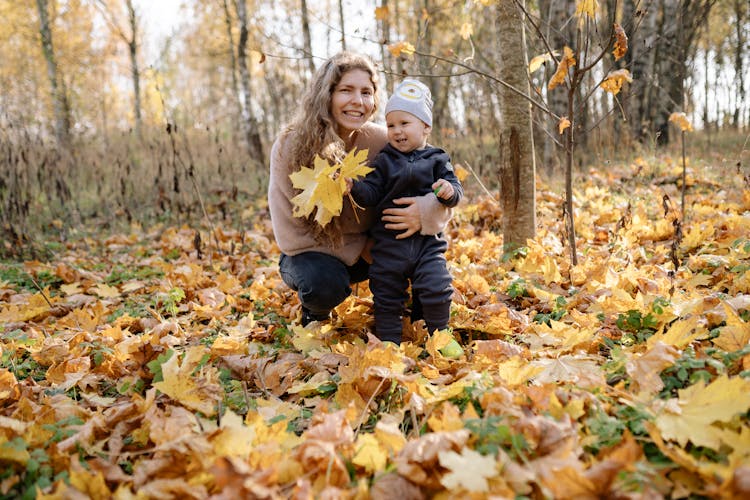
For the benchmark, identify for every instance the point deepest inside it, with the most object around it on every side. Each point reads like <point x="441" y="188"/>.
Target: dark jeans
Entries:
<point x="320" y="280"/>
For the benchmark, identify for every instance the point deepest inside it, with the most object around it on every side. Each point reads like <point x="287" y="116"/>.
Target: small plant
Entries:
<point x="492" y="434"/>
<point x="637" y="327"/>
<point x="557" y="313"/>
<point x="169" y="301"/>
<point x="693" y="367"/>
<point x="518" y="289"/>
<point x="512" y="252"/>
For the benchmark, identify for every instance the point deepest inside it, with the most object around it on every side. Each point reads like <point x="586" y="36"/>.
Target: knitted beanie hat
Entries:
<point x="413" y="97"/>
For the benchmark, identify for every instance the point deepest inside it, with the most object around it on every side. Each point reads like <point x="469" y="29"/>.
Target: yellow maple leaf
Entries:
<point x="680" y="333"/>
<point x="689" y="417"/>
<point x="71" y="288"/>
<point x="235" y="439"/>
<point x="469" y="470"/>
<point x="311" y="386"/>
<point x="735" y="334"/>
<point x="369" y="453"/>
<point x="353" y="166"/>
<point x="537" y="61"/>
<point x="401" y="48"/>
<point x="612" y="83"/>
<point x="10" y="452"/>
<point x="588" y="7"/>
<point x="105" y="291"/>
<point x="318" y="192"/>
<point x="562" y="68"/>
<point x="466" y="30"/>
<point x="517" y="371"/>
<point x="87" y="484"/>
<point x="8" y="385"/>
<point x="563" y="124"/>
<point x="183" y="386"/>
<point x="644" y="370"/>
<point x="323" y="185"/>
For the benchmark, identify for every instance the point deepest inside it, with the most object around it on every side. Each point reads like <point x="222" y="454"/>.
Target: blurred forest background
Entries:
<point x="104" y="123"/>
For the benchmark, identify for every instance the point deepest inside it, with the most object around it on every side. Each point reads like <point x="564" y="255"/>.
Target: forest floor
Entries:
<point x="158" y="364"/>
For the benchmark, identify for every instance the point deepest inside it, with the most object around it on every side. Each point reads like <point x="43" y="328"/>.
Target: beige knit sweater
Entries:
<point x="294" y="237"/>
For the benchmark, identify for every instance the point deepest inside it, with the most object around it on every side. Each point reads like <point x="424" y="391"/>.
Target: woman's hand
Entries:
<point x="406" y="218"/>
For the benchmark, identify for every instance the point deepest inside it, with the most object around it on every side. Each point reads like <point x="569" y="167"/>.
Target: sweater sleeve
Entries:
<point x="291" y="233"/>
<point x="433" y="215"/>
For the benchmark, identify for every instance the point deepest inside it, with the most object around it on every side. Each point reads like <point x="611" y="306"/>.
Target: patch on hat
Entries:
<point x="410" y="90"/>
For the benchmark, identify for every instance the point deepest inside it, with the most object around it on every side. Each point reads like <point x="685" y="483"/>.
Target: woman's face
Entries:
<point x="352" y="102"/>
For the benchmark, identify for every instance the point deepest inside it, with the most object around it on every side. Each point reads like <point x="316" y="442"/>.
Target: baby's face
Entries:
<point x="406" y="132"/>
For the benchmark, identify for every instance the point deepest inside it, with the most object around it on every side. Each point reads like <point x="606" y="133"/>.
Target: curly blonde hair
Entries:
<point x="313" y="130"/>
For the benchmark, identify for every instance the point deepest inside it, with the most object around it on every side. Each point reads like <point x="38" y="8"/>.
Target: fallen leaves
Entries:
<point x="155" y="372"/>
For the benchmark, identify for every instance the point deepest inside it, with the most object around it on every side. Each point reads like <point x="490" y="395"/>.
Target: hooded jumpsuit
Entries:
<point x="419" y="258"/>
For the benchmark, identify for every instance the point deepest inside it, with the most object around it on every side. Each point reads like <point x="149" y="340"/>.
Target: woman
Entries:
<point x="334" y="117"/>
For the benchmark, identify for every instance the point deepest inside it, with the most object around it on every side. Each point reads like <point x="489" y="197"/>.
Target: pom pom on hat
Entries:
<point x="413" y="97"/>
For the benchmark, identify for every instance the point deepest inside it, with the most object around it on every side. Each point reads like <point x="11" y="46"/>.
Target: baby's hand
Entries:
<point x="349" y="184"/>
<point x="443" y="189"/>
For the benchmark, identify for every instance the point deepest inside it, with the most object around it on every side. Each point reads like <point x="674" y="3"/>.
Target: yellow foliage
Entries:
<point x="587" y="7"/>
<point x="612" y="83"/>
<point x="563" y="66"/>
<point x="324" y="185"/>
<point x="681" y="120"/>
<point x="691" y="416"/>
<point x="399" y="48"/>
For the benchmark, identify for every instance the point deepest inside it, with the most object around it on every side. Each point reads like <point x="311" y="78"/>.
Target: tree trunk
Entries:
<point x="307" y="38"/>
<point x="672" y="27"/>
<point x="249" y="123"/>
<point x="343" y="29"/>
<point x="557" y="17"/>
<point x="517" y="171"/>
<point x="740" y="12"/>
<point x="135" y="72"/>
<point x="60" y="103"/>
<point x="233" y="67"/>
<point x="385" y="55"/>
<point x="640" y="58"/>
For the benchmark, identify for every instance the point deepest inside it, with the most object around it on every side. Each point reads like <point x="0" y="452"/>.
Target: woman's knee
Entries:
<point x="323" y="292"/>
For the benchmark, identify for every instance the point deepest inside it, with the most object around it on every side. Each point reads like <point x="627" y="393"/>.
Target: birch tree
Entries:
<point x="61" y="105"/>
<point x="128" y="32"/>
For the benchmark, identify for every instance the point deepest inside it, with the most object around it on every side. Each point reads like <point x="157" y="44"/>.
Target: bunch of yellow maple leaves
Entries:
<point x="145" y="369"/>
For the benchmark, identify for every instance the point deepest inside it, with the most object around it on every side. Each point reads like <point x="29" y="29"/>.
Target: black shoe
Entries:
<point x="308" y="317"/>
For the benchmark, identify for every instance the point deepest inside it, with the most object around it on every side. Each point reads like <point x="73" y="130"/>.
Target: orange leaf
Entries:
<point x="565" y="64"/>
<point x="381" y="13"/>
<point x="621" y="42"/>
<point x="681" y="120"/>
<point x="401" y="48"/>
<point x="587" y="7"/>
<point x="612" y="83"/>
<point x="563" y="124"/>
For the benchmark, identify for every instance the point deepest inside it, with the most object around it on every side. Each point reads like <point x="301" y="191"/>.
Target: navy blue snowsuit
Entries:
<point x="419" y="258"/>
